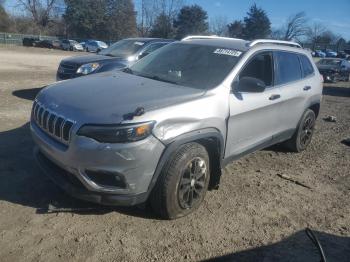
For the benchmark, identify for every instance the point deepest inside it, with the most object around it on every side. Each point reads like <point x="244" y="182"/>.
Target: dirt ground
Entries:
<point x="255" y="215"/>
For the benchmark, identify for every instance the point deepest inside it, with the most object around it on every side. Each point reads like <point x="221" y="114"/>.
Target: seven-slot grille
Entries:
<point x="67" y="70"/>
<point x="57" y="126"/>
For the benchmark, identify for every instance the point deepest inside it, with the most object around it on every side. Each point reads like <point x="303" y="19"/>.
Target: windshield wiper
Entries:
<point x="128" y="70"/>
<point x="157" y="78"/>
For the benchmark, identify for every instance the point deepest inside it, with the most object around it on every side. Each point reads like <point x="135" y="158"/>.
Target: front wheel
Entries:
<point x="303" y="134"/>
<point x="183" y="182"/>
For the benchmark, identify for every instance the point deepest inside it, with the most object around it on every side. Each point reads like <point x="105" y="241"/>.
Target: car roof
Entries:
<point x="238" y="44"/>
<point x="245" y="45"/>
<point x="332" y="58"/>
<point x="149" y="39"/>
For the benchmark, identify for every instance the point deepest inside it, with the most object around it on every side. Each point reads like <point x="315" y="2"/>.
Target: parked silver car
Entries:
<point x="163" y="129"/>
<point x="95" y="46"/>
<point x="71" y="45"/>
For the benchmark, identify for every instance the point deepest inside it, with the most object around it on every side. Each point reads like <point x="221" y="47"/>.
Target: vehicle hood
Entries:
<point x="84" y="59"/>
<point x="107" y="97"/>
<point x="328" y="67"/>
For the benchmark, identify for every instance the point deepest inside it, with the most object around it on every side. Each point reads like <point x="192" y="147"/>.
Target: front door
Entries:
<point x="253" y="116"/>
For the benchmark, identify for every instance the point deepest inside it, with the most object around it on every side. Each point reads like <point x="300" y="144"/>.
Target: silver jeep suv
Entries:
<point x="163" y="129"/>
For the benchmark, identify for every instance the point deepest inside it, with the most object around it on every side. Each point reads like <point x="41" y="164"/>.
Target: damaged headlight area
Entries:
<point x="88" y="68"/>
<point x="117" y="133"/>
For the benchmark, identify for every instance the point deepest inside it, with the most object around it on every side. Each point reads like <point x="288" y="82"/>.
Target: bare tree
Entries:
<point x="315" y="32"/>
<point x="296" y="27"/>
<point x="40" y="10"/>
<point x="152" y="9"/>
<point x="218" y="25"/>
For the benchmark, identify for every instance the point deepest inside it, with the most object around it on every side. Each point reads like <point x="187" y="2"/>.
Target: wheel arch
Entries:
<point x="315" y="107"/>
<point x="210" y="138"/>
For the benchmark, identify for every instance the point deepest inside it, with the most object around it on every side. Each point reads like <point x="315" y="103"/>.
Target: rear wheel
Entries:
<point x="183" y="182"/>
<point x="303" y="135"/>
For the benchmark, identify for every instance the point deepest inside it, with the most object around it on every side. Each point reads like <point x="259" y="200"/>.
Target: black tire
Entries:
<point x="303" y="134"/>
<point x="71" y="48"/>
<point x="183" y="182"/>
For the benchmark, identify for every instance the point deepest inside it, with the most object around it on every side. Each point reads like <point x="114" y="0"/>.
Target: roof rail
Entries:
<point x="190" y="37"/>
<point x="278" y="42"/>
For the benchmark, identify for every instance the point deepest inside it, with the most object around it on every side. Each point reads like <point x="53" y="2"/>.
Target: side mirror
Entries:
<point x="143" y="55"/>
<point x="250" y="84"/>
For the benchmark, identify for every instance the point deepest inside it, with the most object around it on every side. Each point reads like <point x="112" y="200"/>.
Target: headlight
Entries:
<point x="131" y="58"/>
<point x="87" y="68"/>
<point x="117" y="133"/>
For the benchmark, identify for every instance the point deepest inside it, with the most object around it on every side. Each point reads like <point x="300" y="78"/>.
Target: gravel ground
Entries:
<point x="255" y="215"/>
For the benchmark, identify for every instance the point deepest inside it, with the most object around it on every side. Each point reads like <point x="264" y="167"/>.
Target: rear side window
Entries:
<point x="153" y="47"/>
<point x="288" y="67"/>
<point x="306" y="65"/>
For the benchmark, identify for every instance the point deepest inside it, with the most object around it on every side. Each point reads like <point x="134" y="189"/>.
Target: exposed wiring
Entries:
<point x="316" y="242"/>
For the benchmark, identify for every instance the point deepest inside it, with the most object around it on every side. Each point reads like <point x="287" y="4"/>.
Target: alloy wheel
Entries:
<point x="192" y="183"/>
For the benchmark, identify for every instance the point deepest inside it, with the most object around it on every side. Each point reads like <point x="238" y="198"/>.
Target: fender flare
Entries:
<point x="173" y="144"/>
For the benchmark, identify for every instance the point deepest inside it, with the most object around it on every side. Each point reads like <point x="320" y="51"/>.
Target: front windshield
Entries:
<point x="191" y="65"/>
<point x="123" y="48"/>
<point x="329" y="62"/>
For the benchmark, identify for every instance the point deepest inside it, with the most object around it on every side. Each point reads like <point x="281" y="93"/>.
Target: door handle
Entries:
<point x="306" y="88"/>
<point x="273" y="97"/>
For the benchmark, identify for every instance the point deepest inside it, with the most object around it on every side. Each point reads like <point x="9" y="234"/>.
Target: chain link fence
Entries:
<point x="17" y="39"/>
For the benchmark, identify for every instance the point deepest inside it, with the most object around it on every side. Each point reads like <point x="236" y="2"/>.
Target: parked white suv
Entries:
<point x="164" y="128"/>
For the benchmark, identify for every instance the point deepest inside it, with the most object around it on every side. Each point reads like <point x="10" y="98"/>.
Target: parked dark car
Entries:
<point x="119" y="55"/>
<point x="347" y="51"/>
<point x="51" y="44"/>
<point x="334" y="69"/>
<point x="30" y="41"/>
<point x="342" y="54"/>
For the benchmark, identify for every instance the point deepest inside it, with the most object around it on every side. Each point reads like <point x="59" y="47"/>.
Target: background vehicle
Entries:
<point x="319" y="53"/>
<point x="83" y="45"/>
<point x="71" y="45"/>
<point x="29" y="41"/>
<point x="330" y="53"/>
<point x="119" y="55"/>
<point x="334" y="69"/>
<point x="95" y="46"/>
<point x="163" y="128"/>
<point x="52" y="44"/>
<point x="342" y="54"/>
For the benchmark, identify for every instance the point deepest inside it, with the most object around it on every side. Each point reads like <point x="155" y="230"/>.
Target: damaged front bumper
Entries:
<point x="111" y="174"/>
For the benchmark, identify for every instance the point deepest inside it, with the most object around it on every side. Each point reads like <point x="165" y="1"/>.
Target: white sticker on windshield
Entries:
<point x="139" y="43"/>
<point x="229" y="52"/>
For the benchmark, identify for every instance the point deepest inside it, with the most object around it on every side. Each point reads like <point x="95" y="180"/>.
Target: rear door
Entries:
<point x="293" y="75"/>
<point x="253" y="118"/>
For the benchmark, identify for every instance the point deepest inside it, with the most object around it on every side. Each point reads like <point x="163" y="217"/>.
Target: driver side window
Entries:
<point x="260" y="67"/>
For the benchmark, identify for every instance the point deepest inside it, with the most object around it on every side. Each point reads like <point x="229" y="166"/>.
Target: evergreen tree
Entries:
<point x="191" y="20"/>
<point x="102" y="19"/>
<point x="162" y="27"/>
<point x="256" y="24"/>
<point x="235" y="29"/>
